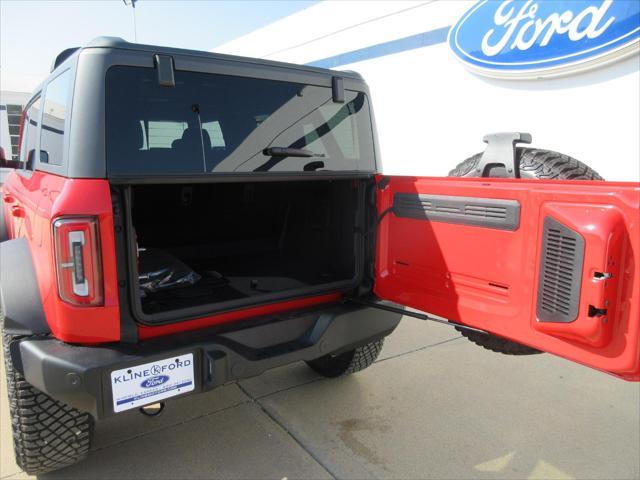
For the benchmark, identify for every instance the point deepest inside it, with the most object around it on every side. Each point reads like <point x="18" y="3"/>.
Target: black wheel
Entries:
<point x="348" y="362"/>
<point x="47" y="434"/>
<point x="534" y="163"/>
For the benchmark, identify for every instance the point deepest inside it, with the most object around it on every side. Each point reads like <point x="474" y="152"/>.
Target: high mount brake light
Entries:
<point x="78" y="262"/>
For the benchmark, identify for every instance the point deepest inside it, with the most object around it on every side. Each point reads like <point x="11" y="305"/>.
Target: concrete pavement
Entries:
<point x="433" y="406"/>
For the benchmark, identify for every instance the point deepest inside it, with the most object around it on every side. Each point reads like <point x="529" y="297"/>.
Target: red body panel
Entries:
<point x="44" y="197"/>
<point x="488" y="278"/>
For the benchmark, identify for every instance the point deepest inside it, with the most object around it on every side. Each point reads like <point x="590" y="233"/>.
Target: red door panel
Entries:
<point x="551" y="264"/>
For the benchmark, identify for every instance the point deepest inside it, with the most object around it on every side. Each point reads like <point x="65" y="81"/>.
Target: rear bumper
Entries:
<point x="80" y="376"/>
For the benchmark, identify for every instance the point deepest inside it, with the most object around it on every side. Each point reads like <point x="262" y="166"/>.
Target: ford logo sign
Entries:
<point x="154" y="381"/>
<point x="543" y="38"/>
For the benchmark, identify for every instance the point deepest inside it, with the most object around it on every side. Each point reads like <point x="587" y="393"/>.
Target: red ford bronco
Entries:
<point x="183" y="219"/>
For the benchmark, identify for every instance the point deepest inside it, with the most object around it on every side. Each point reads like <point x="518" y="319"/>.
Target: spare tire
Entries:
<point x="534" y="163"/>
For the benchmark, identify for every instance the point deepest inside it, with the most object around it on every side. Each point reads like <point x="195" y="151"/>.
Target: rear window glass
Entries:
<point x="212" y="123"/>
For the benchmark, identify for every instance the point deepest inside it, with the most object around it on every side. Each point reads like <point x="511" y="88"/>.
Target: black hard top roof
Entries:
<point x="121" y="44"/>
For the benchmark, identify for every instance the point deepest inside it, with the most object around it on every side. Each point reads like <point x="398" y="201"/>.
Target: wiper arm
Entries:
<point x="290" y="152"/>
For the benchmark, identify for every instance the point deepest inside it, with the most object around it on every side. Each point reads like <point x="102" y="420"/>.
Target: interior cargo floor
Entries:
<point x="211" y="288"/>
<point x="245" y="240"/>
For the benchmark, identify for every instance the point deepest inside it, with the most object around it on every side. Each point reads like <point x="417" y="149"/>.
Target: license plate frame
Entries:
<point x="150" y="382"/>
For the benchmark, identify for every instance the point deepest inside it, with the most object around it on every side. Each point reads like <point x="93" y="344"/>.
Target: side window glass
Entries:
<point x="53" y="119"/>
<point x="30" y="135"/>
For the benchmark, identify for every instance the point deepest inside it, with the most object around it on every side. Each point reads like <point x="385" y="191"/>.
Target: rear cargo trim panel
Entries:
<point x="480" y="212"/>
<point x="560" y="274"/>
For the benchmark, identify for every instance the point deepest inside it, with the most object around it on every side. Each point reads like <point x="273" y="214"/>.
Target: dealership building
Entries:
<point x="433" y="109"/>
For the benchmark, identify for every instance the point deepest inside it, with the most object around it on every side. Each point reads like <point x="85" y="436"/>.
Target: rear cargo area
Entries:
<point x="232" y="244"/>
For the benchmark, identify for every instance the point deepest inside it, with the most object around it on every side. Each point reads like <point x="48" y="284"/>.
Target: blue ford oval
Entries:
<point x="538" y="37"/>
<point x="154" y="381"/>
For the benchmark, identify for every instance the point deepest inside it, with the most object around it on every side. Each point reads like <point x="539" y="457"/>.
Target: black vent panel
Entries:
<point x="480" y="212"/>
<point x="560" y="273"/>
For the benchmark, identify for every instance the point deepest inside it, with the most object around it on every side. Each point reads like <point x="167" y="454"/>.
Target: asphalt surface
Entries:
<point x="433" y="406"/>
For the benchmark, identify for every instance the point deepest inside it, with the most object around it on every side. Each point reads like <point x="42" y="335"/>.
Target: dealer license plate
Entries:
<point x="144" y="384"/>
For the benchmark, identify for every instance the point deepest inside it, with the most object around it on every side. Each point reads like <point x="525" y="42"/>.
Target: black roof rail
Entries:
<point x="62" y="56"/>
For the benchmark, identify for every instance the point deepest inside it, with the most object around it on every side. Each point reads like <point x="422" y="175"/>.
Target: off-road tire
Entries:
<point x="47" y="434"/>
<point x="348" y="362"/>
<point x="534" y="163"/>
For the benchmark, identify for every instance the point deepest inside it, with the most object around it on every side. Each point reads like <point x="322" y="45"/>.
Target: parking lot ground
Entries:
<point x="433" y="406"/>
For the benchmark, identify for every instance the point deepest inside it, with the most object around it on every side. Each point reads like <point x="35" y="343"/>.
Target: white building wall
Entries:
<point x="432" y="112"/>
<point x="9" y="98"/>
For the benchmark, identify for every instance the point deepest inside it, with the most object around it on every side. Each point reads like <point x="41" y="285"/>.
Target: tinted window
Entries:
<point x="53" y="118"/>
<point x="30" y="135"/>
<point x="219" y="123"/>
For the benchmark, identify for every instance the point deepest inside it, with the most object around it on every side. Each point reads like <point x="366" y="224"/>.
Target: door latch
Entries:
<point x="599" y="276"/>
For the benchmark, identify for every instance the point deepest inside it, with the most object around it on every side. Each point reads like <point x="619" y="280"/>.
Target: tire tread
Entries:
<point x="348" y="362"/>
<point x="365" y="356"/>
<point x="47" y="434"/>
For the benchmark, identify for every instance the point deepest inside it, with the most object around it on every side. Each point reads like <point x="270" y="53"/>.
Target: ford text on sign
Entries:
<point x="540" y="38"/>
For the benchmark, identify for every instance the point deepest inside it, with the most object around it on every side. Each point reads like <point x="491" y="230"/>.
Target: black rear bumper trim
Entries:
<point x="80" y="375"/>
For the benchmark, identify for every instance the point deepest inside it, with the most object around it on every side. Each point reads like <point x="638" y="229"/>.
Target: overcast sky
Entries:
<point x="32" y="33"/>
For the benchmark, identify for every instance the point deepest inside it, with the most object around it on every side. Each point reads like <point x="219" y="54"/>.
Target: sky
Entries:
<point x="33" y="32"/>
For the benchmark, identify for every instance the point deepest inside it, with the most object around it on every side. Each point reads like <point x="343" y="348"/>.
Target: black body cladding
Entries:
<point x="19" y="293"/>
